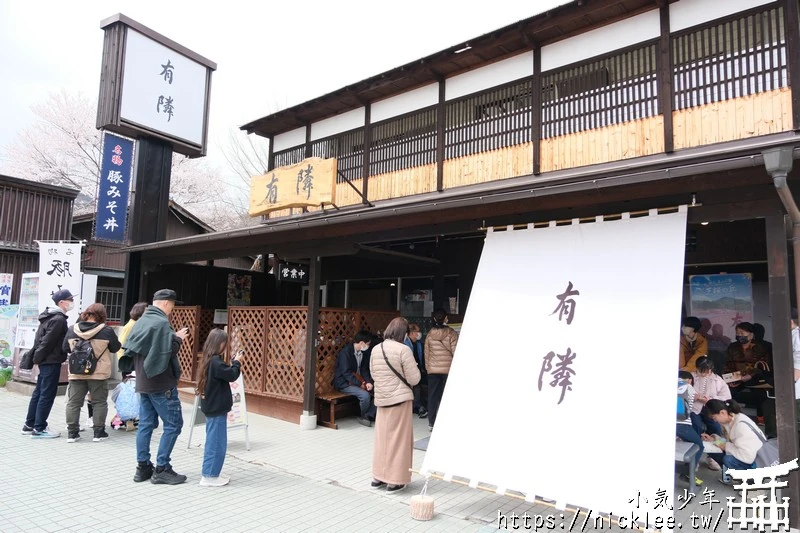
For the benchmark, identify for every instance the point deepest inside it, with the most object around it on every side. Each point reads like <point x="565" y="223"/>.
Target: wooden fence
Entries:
<point x="199" y="322"/>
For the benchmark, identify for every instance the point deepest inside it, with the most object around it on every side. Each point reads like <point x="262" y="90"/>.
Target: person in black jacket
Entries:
<point x="48" y="354"/>
<point x="352" y="375"/>
<point x="213" y="386"/>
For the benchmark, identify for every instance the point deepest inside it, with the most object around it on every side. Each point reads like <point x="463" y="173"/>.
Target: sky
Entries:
<point x="270" y="55"/>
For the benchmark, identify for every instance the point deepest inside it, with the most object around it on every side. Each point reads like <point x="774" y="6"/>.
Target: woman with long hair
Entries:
<point x="91" y="327"/>
<point x="394" y="374"/>
<point x="440" y="345"/>
<point x="213" y="386"/>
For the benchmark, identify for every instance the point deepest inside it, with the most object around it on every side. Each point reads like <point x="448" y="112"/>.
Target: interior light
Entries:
<point x="704" y="223"/>
<point x="466" y="47"/>
<point x="393" y="284"/>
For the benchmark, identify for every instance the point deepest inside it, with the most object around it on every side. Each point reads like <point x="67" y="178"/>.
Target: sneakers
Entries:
<point x="697" y="480"/>
<point x="365" y="422"/>
<point x="726" y="479"/>
<point x="165" y="475"/>
<point x="394" y="488"/>
<point x="144" y="471"/>
<point x="375" y="484"/>
<point x="73" y="436"/>
<point x="423" y="413"/>
<point x="712" y="465"/>
<point x="99" y="435"/>
<point x="46" y="434"/>
<point x="26" y="430"/>
<point x="207" y="481"/>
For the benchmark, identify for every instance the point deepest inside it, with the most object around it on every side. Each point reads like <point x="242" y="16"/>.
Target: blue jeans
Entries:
<point x="364" y="400"/>
<point x="216" y="445"/>
<point x="727" y="461"/>
<point x="43" y="396"/>
<point x="164" y="405"/>
<point x="686" y="432"/>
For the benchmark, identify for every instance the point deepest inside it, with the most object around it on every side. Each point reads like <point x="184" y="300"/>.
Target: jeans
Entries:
<point x="43" y="396"/>
<point x="686" y="432"/>
<point x="99" y="402"/>
<point x="730" y="462"/>
<point x="216" y="445"/>
<point x="167" y="406"/>
<point x="436" y="384"/>
<point x="364" y="400"/>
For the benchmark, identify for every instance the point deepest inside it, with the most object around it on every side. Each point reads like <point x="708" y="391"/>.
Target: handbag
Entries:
<point x="26" y="361"/>
<point x="396" y="373"/>
<point x="768" y="454"/>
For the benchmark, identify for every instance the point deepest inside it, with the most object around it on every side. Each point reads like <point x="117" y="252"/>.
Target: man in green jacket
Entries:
<point x="153" y="346"/>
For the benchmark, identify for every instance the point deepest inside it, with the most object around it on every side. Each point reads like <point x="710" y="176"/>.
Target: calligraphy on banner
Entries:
<point x="293" y="272"/>
<point x="312" y="182"/>
<point x="6" y="281"/>
<point x="561" y="370"/>
<point x="115" y="183"/>
<point x="59" y="268"/>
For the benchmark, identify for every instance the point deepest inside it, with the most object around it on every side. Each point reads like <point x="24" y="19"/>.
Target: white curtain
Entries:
<point x="611" y="438"/>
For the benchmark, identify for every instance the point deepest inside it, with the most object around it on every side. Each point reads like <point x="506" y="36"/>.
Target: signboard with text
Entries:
<point x="115" y="183"/>
<point x="312" y="182"/>
<point x="293" y="272"/>
<point x="59" y="268"/>
<point x="6" y="282"/>
<point x="154" y="88"/>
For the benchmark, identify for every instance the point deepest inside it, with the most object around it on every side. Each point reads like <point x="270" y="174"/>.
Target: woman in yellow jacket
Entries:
<point x="137" y="311"/>
<point x="693" y="344"/>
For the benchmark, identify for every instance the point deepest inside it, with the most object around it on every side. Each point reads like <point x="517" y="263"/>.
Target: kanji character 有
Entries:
<point x="167" y="72"/>
<point x="566" y="305"/>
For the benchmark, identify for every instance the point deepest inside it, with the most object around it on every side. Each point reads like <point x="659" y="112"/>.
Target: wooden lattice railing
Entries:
<point x="274" y="344"/>
<point x="188" y="317"/>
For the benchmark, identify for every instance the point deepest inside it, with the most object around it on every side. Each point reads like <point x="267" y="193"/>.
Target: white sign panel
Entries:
<point x="585" y="303"/>
<point x="6" y="281"/>
<point x="163" y="90"/>
<point x="59" y="268"/>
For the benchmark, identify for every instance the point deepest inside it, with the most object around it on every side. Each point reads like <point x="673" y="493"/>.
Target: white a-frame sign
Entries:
<point x="237" y="416"/>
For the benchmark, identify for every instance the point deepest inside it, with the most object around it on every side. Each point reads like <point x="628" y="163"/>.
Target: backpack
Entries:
<point x="81" y="359"/>
<point x="683" y="407"/>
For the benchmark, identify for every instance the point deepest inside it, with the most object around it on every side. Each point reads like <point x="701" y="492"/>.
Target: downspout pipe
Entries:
<point x="778" y="162"/>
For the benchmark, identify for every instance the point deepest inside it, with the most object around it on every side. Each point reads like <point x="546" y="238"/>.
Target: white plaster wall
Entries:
<point x="405" y="103"/>
<point x="688" y="13"/>
<point x="333" y="125"/>
<point x="606" y="39"/>
<point x="492" y="75"/>
<point x="289" y="139"/>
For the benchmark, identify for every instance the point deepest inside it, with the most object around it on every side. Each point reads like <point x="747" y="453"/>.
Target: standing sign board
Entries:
<point x="237" y="416"/>
<point x="6" y="282"/>
<point x="152" y="86"/>
<point x="115" y="184"/>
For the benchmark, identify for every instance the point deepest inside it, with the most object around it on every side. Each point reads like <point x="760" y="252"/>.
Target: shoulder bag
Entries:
<point x="396" y="373"/>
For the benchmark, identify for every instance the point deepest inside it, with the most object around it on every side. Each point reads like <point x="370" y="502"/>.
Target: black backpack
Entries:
<point x="81" y="359"/>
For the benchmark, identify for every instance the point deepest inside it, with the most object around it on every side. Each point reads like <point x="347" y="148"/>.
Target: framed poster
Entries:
<point x="723" y="300"/>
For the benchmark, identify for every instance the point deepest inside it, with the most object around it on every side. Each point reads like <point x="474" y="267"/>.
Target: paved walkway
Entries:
<point x="290" y="481"/>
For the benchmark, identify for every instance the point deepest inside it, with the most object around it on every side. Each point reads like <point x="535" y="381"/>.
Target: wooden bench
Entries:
<point x="327" y="404"/>
<point x="685" y="452"/>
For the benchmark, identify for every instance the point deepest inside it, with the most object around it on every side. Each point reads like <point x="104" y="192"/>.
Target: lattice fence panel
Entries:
<point x="206" y="325"/>
<point x="187" y="317"/>
<point x="376" y="321"/>
<point x="247" y="331"/>
<point x="337" y="327"/>
<point x="286" y="346"/>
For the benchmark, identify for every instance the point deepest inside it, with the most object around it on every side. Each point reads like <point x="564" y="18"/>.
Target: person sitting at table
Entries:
<point x="693" y="343"/>
<point x="749" y="357"/>
<point x="352" y="375"/>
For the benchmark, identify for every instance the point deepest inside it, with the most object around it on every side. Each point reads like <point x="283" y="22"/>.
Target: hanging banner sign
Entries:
<point x="59" y="268"/>
<point x="6" y="281"/>
<point x="312" y="182"/>
<point x="293" y="272"/>
<point x="115" y="183"/>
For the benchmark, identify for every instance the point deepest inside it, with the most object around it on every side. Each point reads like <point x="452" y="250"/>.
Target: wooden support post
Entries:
<point x="536" y="110"/>
<point x="367" y="143"/>
<point x="441" y="123"/>
<point x="309" y="387"/>
<point x="271" y="154"/>
<point x="783" y="367"/>
<point x="664" y="76"/>
<point x="791" y="17"/>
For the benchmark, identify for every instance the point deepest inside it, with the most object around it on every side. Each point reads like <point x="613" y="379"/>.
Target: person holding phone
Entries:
<point x="213" y="386"/>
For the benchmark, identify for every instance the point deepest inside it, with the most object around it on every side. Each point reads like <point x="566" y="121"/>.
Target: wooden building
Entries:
<point x="30" y="211"/>
<point x="592" y="108"/>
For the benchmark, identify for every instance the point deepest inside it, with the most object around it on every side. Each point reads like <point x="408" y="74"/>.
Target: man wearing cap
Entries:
<point x="153" y="346"/>
<point x="49" y="356"/>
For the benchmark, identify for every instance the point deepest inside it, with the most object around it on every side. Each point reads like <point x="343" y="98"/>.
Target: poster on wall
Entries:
<point x="6" y="281"/>
<point x="721" y="301"/>
<point x="8" y="330"/>
<point x="28" y="315"/>
<point x="239" y="289"/>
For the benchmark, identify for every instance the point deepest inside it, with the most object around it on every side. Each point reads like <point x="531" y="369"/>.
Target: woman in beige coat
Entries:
<point x="440" y="345"/>
<point x="394" y="373"/>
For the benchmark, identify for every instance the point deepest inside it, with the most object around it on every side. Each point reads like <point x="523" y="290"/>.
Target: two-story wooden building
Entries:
<point x="592" y="108"/>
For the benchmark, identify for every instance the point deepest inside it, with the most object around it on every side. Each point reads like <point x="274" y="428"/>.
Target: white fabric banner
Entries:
<point x="563" y="383"/>
<point x="59" y="268"/>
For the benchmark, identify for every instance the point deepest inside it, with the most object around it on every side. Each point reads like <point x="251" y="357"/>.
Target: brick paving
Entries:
<point x="290" y="481"/>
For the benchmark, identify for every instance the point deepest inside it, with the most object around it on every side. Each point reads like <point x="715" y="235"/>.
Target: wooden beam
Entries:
<point x="399" y="255"/>
<point x="666" y="93"/>
<point x="310" y="381"/>
<point x="782" y="361"/>
<point x="441" y="119"/>
<point x="536" y="110"/>
<point x="791" y="17"/>
<point x="271" y="153"/>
